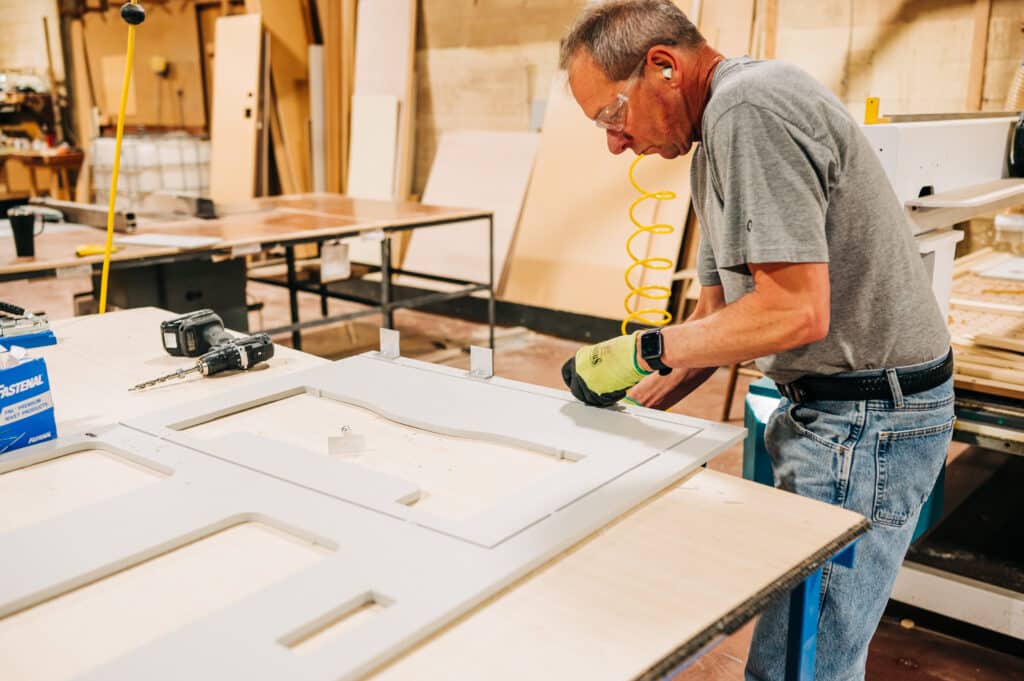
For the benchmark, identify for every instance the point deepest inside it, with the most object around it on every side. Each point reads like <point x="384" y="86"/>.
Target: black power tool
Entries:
<point x="201" y="334"/>
<point x="193" y="334"/>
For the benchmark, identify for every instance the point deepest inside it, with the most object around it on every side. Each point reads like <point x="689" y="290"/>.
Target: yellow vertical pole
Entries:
<point x="132" y="13"/>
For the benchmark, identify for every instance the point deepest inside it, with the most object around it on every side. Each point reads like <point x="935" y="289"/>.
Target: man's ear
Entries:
<point x="664" y="62"/>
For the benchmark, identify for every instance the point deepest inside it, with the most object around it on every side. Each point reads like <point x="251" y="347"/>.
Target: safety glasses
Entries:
<point x="613" y="116"/>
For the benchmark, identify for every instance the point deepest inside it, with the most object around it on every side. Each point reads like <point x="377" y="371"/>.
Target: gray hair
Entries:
<point x="618" y="33"/>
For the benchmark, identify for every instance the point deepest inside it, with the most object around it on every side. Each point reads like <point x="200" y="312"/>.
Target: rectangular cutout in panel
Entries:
<point x="46" y="490"/>
<point x="457" y="476"/>
<point x="98" y="622"/>
<point x="337" y="624"/>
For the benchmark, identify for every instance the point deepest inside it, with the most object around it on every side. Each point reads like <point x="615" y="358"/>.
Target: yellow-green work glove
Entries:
<point x="601" y="374"/>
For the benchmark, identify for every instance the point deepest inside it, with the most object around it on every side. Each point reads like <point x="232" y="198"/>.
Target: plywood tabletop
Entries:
<point x="281" y="219"/>
<point x="644" y="594"/>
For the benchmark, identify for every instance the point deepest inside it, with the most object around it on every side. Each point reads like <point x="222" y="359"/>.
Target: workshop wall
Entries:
<point x="171" y="32"/>
<point x="23" y="46"/>
<point x="914" y="55"/>
<point x="472" y="55"/>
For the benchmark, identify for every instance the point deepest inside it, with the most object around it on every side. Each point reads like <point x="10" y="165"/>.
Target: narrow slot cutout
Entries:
<point x="337" y="624"/>
<point x="46" y="490"/>
<point x="458" y="476"/>
<point x="101" y="621"/>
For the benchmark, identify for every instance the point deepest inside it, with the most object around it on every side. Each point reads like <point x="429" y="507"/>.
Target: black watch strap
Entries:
<point x="652" y="346"/>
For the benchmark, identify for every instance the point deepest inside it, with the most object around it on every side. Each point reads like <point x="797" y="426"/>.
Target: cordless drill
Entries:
<point x="201" y="334"/>
<point x="193" y="334"/>
<point x="237" y="354"/>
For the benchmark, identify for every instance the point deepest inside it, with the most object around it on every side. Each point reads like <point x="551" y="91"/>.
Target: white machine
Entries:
<point x="946" y="170"/>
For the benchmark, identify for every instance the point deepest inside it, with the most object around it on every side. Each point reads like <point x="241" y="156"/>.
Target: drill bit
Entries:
<point x="180" y="373"/>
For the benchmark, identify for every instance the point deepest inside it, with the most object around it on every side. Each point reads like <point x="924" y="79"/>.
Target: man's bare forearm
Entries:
<point x="664" y="392"/>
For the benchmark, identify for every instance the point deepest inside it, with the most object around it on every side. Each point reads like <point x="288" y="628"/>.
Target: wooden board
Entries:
<point x="487" y="170"/>
<point x="979" y="52"/>
<point x="235" y="108"/>
<point x="285" y="22"/>
<point x="384" y="52"/>
<point x="569" y="252"/>
<point x="84" y="107"/>
<point x="372" y="154"/>
<point x="317" y="139"/>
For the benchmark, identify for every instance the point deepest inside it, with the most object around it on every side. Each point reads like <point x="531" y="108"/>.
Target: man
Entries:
<point x="806" y="264"/>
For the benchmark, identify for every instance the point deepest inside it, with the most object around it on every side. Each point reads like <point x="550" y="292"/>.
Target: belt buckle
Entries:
<point x="792" y="392"/>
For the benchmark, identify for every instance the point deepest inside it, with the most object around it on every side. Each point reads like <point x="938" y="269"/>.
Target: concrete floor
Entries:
<point x="896" y="653"/>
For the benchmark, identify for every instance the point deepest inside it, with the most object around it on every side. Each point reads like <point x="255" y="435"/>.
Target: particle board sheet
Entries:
<point x="570" y="249"/>
<point x="480" y="169"/>
<point x="237" y="69"/>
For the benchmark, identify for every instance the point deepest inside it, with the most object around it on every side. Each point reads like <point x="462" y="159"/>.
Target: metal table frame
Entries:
<point x="386" y="306"/>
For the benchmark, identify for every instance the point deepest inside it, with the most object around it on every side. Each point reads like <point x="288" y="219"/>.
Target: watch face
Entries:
<point x="650" y="345"/>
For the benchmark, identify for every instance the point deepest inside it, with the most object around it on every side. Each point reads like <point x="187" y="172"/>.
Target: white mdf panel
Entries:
<point x="456" y="476"/>
<point x="604" y="444"/>
<point x="420" y="578"/>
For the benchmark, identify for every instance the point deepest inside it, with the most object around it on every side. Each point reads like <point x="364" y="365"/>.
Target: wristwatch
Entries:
<point x="651" y="349"/>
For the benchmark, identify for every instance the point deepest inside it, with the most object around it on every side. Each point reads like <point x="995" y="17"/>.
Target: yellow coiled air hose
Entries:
<point x="651" y="316"/>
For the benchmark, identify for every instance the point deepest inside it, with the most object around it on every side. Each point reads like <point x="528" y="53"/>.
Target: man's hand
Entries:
<point x="601" y="374"/>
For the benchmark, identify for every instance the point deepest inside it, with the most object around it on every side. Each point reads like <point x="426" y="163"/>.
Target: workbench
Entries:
<point x="640" y="598"/>
<point x="260" y="225"/>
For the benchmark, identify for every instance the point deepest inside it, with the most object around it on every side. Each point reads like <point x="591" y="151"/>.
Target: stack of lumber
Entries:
<point x="987" y="324"/>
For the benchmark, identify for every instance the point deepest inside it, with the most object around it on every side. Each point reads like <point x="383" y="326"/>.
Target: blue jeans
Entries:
<point x="880" y="459"/>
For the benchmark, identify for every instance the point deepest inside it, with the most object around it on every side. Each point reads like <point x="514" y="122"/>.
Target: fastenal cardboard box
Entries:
<point x="26" y="407"/>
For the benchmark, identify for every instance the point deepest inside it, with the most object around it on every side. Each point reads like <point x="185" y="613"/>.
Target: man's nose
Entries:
<point x="617" y="142"/>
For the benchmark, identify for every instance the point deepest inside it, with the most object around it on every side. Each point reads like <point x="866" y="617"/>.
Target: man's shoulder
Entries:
<point x="772" y="86"/>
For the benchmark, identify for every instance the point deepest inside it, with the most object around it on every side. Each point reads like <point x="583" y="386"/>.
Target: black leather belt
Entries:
<point x="868" y="387"/>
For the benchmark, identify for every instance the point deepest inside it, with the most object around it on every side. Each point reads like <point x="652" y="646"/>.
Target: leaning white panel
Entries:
<point x="603" y="443"/>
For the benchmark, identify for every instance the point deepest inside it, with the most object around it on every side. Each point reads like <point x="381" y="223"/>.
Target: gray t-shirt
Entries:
<point x="784" y="174"/>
